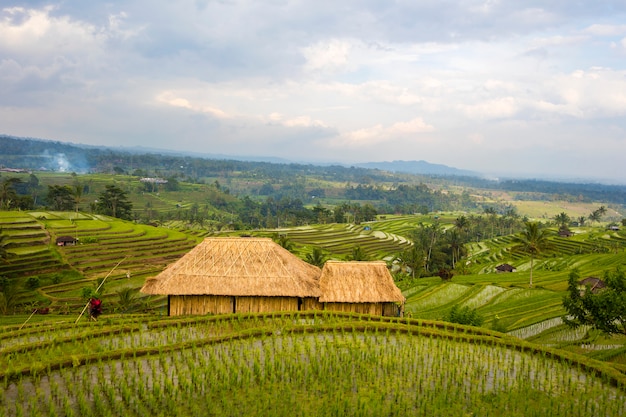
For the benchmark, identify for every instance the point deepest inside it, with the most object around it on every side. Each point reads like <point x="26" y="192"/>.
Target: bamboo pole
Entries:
<point x="100" y="286"/>
<point x="29" y="317"/>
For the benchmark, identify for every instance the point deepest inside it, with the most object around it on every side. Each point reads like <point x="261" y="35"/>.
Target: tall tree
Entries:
<point x="461" y="224"/>
<point x="411" y="260"/>
<point x="77" y="193"/>
<point x="8" y="195"/>
<point x="284" y="241"/>
<point x="533" y="240"/>
<point x="604" y="310"/>
<point x="60" y="197"/>
<point x="358" y="254"/>
<point x="562" y="220"/>
<point x="316" y="257"/>
<point x="113" y="202"/>
<point x="596" y="215"/>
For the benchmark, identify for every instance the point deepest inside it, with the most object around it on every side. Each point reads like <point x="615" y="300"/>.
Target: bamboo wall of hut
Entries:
<point x="179" y="305"/>
<point x="376" y="309"/>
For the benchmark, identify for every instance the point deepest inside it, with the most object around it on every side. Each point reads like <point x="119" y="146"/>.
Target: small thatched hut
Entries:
<point x="594" y="285"/>
<point x="505" y="268"/>
<point x="360" y="287"/>
<point x="66" y="241"/>
<point x="232" y="275"/>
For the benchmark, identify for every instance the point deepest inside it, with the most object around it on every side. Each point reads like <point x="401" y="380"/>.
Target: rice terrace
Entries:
<point x="442" y="312"/>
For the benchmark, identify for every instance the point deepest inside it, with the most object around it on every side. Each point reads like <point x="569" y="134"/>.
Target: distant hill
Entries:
<point x="419" y="167"/>
<point x="40" y="154"/>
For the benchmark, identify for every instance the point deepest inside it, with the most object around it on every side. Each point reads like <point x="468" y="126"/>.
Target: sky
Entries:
<point x="530" y="88"/>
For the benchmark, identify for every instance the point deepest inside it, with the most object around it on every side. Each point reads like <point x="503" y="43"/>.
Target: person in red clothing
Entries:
<point x="95" y="308"/>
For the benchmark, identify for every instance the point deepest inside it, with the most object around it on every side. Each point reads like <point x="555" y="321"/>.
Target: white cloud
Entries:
<point x="371" y="79"/>
<point x="35" y="35"/>
<point x="378" y="134"/>
<point x="331" y="55"/>
<point x="605" y="30"/>
<point x="503" y="107"/>
<point x="172" y="99"/>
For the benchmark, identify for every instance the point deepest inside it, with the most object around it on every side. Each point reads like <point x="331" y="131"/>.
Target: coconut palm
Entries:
<point x="316" y="257"/>
<point x="562" y="220"/>
<point x="532" y="240"/>
<point x="358" y="254"/>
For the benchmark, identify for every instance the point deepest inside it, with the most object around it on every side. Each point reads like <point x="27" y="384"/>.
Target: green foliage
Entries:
<point x="126" y="299"/>
<point x="60" y="197"/>
<point x="358" y="254"/>
<point x="464" y="315"/>
<point x="497" y="325"/>
<point x="8" y="295"/>
<point x="445" y="274"/>
<point x="296" y="364"/>
<point x="113" y="201"/>
<point x="603" y="309"/>
<point x="597" y="214"/>
<point x="32" y="283"/>
<point x="8" y="195"/>
<point x="283" y="240"/>
<point x="4" y="243"/>
<point x="96" y="290"/>
<point x="316" y="257"/>
<point x="562" y="220"/>
<point x="533" y="240"/>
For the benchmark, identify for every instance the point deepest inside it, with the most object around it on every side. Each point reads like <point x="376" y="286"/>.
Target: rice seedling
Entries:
<point x="312" y="364"/>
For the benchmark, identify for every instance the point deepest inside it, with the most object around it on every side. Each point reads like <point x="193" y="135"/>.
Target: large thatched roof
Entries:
<point x="358" y="282"/>
<point x="237" y="267"/>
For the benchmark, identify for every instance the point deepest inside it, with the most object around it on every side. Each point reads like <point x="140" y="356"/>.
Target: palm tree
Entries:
<point x="411" y="260"/>
<point x="316" y="257"/>
<point x="8" y="193"/>
<point x="358" y="254"/>
<point x="461" y="224"/>
<point x="77" y="193"/>
<point x="284" y="241"/>
<point x="532" y="240"/>
<point x="562" y="220"/>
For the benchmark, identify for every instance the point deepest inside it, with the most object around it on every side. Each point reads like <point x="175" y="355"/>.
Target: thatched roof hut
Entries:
<point x="362" y="287"/>
<point x="226" y="275"/>
<point x="66" y="241"/>
<point x="593" y="283"/>
<point x="505" y="268"/>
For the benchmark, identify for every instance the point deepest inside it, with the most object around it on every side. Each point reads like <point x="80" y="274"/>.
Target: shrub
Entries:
<point x="464" y="315"/>
<point x="497" y="325"/>
<point x="32" y="283"/>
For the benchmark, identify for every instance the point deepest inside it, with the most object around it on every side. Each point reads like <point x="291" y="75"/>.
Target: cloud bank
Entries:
<point x="510" y="87"/>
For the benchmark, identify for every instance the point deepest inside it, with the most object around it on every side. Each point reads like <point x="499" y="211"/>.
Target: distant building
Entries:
<point x="15" y="170"/>
<point x="594" y="284"/>
<point x="66" y="241"/>
<point x="154" y="180"/>
<point x="505" y="268"/>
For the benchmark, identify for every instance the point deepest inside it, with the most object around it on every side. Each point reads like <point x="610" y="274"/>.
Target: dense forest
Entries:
<point x="244" y="194"/>
<point x="36" y="154"/>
